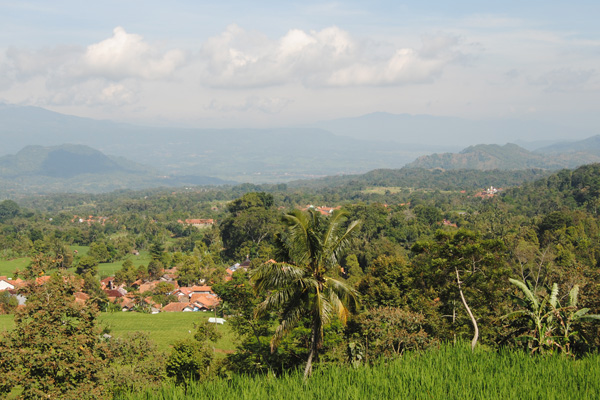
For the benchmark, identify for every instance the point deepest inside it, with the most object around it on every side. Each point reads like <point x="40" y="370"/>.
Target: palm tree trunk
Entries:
<point x="313" y="351"/>
<point x="473" y="320"/>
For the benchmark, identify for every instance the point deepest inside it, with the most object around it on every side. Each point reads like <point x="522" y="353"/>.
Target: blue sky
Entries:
<point x="273" y="63"/>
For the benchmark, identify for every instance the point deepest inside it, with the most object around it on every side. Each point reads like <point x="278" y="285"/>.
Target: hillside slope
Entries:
<point x="507" y="157"/>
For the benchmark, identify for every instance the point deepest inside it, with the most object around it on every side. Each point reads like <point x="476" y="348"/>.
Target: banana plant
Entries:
<point x="552" y="323"/>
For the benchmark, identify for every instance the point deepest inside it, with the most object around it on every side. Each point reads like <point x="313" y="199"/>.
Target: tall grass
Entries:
<point x="446" y="373"/>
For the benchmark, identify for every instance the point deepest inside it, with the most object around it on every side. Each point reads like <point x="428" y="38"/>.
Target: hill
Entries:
<point x="448" y="133"/>
<point x="78" y="168"/>
<point x="420" y="178"/>
<point x="507" y="157"/>
<point x="248" y="155"/>
<point x="590" y="145"/>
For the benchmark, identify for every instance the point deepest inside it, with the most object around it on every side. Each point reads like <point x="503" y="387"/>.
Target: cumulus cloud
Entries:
<point x="330" y="57"/>
<point x="107" y="72"/>
<point x="115" y="70"/>
<point x="126" y="55"/>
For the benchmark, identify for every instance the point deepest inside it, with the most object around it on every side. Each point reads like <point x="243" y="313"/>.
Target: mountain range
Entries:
<point x="347" y="146"/>
<point x="513" y="157"/>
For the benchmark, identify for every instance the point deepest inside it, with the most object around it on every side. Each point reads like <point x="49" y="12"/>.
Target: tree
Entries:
<point x="8" y="210"/>
<point x="301" y="286"/>
<point x="87" y="264"/>
<point x="191" y="359"/>
<point x="252" y="220"/>
<point x="55" y="350"/>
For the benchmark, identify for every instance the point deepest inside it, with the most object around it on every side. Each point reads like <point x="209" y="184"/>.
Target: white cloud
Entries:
<point x="126" y="55"/>
<point x="330" y="57"/>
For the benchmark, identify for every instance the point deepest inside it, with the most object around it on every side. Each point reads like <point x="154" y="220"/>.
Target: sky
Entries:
<point x="278" y="63"/>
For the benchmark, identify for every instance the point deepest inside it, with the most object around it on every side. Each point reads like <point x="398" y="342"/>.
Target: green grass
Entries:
<point x="164" y="328"/>
<point x="8" y="267"/>
<point x="446" y="373"/>
<point x="109" y="269"/>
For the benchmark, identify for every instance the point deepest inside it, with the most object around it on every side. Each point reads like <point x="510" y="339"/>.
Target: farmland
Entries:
<point x="163" y="329"/>
<point x="448" y="372"/>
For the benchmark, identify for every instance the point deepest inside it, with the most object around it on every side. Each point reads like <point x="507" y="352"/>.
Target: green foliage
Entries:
<point x="189" y="360"/>
<point x="8" y="302"/>
<point x="252" y="220"/>
<point x="55" y="349"/>
<point x="135" y="364"/>
<point x="8" y="209"/>
<point x="87" y="264"/>
<point x="550" y="327"/>
<point x="450" y="372"/>
<point x="390" y="332"/>
<point x="302" y="287"/>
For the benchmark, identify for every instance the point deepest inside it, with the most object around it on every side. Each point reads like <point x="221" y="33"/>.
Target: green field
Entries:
<point x="163" y="328"/>
<point x="8" y="267"/>
<point x="451" y="372"/>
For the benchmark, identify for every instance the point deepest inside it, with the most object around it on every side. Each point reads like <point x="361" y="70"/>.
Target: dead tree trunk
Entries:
<point x="475" y="327"/>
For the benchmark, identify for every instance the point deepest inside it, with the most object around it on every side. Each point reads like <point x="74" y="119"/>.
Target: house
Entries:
<point x="108" y="283"/>
<point x="113" y="294"/>
<point x="323" y="209"/>
<point x="180" y="307"/>
<point x="206" y="302"/>
<point x="198" y="223"/>
<point x="6" y="283"/>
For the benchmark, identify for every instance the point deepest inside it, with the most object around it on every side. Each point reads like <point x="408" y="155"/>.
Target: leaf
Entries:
<point x="573" y="296"/>
<point x="528" y="294"/>
<point x="554" y="295"/>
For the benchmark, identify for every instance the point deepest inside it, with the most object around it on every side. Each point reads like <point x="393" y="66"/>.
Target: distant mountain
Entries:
<point x="590" y="145"/>
<point x="447" y="133"/>
<point x="65" y="161"/>
<point x="420" y="178"/>
<point x="78" y="168"/>
<point x="507" y="157"/>
<point x="248" y="155"/>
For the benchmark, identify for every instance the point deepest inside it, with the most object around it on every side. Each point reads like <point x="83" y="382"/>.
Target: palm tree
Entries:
<point x="301" y="286"/>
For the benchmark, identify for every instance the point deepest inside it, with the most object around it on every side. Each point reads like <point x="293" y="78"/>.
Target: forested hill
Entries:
<point x="579" y="188"/>
<point x="64" y="161"/>
<point x="421" y="178"/>
<point x="507" y="157"/>
<point x="79" y="168"/>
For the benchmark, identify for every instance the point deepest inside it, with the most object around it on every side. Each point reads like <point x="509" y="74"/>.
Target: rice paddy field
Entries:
<point x="8" y="267"/>
<point x="450" y="372"/>
<point x="163" y="328"/>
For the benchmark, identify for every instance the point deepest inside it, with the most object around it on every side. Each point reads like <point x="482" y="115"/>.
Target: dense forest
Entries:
<point x="343" y="271"/>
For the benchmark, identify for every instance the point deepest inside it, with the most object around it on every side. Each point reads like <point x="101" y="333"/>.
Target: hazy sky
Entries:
<point x="272" y="63"/>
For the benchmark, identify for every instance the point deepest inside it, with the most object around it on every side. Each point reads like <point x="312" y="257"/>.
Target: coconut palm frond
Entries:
<point x="274" y="276"/>
<point x="345" y="293"/>
<point x="288" y="322"/>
